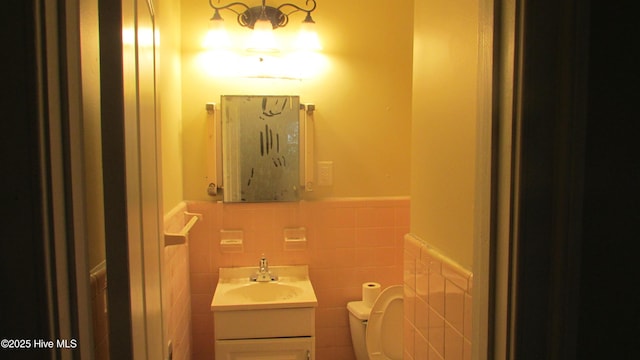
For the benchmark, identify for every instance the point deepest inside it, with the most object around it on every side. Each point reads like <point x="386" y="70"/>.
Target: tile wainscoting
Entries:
<point x="349" y="241"/>
<point x="177" y="291"/>
<point x="437" y="306"/>
<point x="99" y="310"/>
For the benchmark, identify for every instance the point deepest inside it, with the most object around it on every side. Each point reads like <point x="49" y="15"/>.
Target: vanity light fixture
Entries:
<point x="263" y="19"/>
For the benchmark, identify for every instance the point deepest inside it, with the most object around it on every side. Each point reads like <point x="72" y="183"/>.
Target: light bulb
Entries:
<point x="217" y="37"/>
<point x="308" y="39"/>
<point x="262" y="39"/>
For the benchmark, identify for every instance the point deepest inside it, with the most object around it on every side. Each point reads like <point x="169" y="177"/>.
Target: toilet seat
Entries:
<point x="384" y="328"/>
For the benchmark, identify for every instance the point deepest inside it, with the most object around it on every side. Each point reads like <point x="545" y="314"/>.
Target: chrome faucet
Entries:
<point x="263" y="273"/>
<point x="264" y="265"/>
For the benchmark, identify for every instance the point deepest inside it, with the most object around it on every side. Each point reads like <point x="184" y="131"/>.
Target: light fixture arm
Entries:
<point x="298" y="8"/>
<point x="230" y="7"/>
<point x="247" y="16"/>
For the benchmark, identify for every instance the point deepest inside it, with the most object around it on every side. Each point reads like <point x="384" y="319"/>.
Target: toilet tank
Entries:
<point x="358" y="316"/>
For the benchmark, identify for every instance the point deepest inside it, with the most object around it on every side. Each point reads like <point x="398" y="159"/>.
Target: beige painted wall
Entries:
<point x="92" y="131"/>
<point x="443" y="127"/>
<point x="362" y="94"/>
<point x="170" y="101"/>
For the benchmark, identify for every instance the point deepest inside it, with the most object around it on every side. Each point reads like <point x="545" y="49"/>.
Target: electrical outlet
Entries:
<point x="325" y="173"/>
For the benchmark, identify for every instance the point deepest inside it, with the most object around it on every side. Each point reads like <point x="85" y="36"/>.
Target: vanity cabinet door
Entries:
<point x="301" y="348"/>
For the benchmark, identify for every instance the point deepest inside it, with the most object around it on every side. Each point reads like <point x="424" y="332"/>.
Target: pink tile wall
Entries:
<point x="177" y="289"/>
<point x="437" y="306"/>
<point x="350" y="241"/>
<point x="98" y="281"/>
<point x="178" y="308"/>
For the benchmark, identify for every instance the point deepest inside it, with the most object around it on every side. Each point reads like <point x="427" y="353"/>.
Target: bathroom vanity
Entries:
<point x="264" y="320"/>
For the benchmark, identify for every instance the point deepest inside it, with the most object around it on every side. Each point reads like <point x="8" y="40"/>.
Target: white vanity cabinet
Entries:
<point x="268" y="321"/>
<point x="265" y="334"/>
<point x="299" y="348"/>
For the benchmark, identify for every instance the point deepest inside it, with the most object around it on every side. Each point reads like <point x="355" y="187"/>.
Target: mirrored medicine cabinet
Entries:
<point x="261" y="148"/>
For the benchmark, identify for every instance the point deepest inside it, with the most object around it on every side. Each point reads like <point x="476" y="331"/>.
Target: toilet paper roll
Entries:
<point x="370" y="291"/>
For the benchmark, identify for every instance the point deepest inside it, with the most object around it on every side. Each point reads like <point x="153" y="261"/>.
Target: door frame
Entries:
<point x="527" y="247"/>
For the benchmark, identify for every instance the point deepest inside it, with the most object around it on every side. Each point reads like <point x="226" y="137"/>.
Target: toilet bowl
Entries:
<point x="376" y="331"/>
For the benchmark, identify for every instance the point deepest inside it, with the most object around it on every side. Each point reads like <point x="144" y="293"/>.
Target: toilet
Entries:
<point x="376" y="331"/>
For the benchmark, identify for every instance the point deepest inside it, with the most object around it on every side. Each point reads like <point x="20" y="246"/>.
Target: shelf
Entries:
<point x="182" y="236"/>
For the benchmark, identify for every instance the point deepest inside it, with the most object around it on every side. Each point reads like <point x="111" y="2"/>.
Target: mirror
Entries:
<point x="261" y="148"/>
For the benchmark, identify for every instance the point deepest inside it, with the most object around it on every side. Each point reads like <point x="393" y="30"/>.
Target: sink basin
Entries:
<point x="235" y="291"/>
<point x="265" y="291"/>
